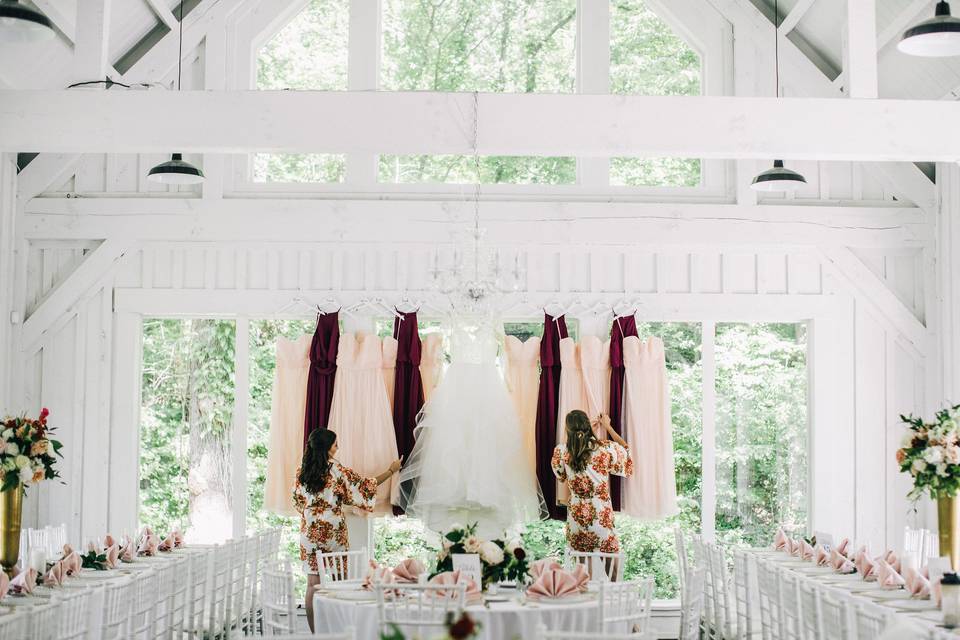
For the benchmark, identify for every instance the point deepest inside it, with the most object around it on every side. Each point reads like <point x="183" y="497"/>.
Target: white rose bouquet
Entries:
<point x="930" y="453"/>
<point x="499" y="560"/>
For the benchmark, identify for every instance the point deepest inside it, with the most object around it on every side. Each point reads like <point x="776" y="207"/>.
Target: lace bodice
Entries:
<point x="475" y="341"/>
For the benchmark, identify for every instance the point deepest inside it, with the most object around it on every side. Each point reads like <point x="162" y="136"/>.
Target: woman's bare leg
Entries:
<point x="312" y="581"/>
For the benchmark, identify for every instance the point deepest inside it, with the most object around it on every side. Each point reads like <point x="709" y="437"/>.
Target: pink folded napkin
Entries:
<point x="377" y="574"/>
<point x="557" y="583"/>
<point x="128" y="551"/>
<point x="842" y="547"/>
<point x="24" y="581"/>
<point x="169" y="544"/>
<point x="113" y="556"/>
<point x="890" y="557"/>
<point x="780" y="540"/>
<point x="72" y="564"/>
<point x="795" y="548"/>
<point x="806" y="551"/>
<point x="821" y="556"/>
<point x="149" y="545"/>
<point x="4" y="584"/>
<point x="837" y="559"/>
<point x="408" y="571"/>
<point x="865" y="565"/>
<point x="108" y="540"/>
<point x="916" y="583"/>
<point x="56" y="575"/>
<point x="537" y="568"/>
<point x="178" y="539"/>
<point x="888" y="577"/>
<point x="847" y="567"/>
<point x="453" y="578"/>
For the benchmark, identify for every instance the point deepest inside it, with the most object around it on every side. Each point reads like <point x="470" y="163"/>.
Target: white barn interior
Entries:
<point x="862" y="255"/>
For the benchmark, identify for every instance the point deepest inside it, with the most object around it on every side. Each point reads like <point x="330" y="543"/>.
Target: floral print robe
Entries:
<point x="590" y="514"/>
<point x="323" y="528"/>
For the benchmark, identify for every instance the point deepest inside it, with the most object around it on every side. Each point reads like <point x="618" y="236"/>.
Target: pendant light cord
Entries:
<point x="776" y="45"/>
<point x="180" y="56"/>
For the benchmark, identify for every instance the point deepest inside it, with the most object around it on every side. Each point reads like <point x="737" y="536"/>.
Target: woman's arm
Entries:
<point x="605" y="423"/>
<point x="386" y="475"/>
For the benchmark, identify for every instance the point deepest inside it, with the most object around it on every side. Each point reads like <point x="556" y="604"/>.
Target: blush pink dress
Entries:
<point x="595" y="371"/>
<point x="286" y="423"/>
<point x="430" y="364"/>
<point x="390" y="368"/>
<point x="361" y="414"/>
<point x="573" y="395"/>
<point x="523" y="381"/>
<point x="651" y="493"/>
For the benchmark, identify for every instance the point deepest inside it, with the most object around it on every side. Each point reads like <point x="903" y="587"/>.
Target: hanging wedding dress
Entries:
<point x="469" y="463"/>
<point x="523" y="381"/>
<point x="430" y="364"/>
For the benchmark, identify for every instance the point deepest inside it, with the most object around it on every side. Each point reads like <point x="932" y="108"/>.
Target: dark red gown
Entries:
<point x="323" y="370"/>
<point x="547" y="406"/>
<point x="622" y="327"/>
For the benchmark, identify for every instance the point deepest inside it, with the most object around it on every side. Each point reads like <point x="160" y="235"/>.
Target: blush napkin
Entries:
<point x="916" y="583"/>
<point x="408" y="571"/>
<point x="376" y="574"/>
<point x="540" y="566"/>
<point x="24" y="581"/>
<point x="780" y="541"/>
<point x="806" y="551"/>
<point x="453" y="578"/>
<point x="887" y="576"/>
<point x="821" y="556"/>
<point x="56" y="575"/>
<point x="557" y="583"/>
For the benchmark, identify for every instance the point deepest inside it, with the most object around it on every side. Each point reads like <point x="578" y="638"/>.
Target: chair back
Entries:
<point x="836" y="618"/>
<point x="115" y="620"/>
<point x="56" y="538"/>
<point x="681" y="545"/>
<point x="811" y="622"/>
<point x="41" y="622"/>
<point x="199" y="584"/>
<point x="691" y="609"/>
<point x="544" y="634"/>
<point x="277" y="601"/>
<point x="149" y="604"/>
<point x="342" y="566"/>
<point x="769" y="591"/>
<point x="870" y="620"/>
<point x="602" y="567"/>
<point x="626" y="602"/>
<point x="72" y="615"/>
<point x="745" y="595"/>
<point x="790" y="616"/>
<point x="346" y="634"/>
<point x="419" y="611"/>
<point x="722" y="621"/>
<point x="13" y="626"/>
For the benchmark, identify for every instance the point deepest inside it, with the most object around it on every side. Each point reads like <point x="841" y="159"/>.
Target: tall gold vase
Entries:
<point x="948" y="521"/>
<point x="11" y="503"/>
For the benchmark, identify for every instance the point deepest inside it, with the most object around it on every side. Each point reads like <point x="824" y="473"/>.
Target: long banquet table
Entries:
<point x="914" y="618"/>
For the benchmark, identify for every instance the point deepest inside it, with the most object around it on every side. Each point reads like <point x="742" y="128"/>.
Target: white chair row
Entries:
<point x="602" y="567"/>
<point x="922" y="542"/>
<point x="794" y="608"/>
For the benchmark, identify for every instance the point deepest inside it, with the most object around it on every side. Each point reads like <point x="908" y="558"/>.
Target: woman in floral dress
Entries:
<point x="324" y="487"/>
<point x="585" y="464"/>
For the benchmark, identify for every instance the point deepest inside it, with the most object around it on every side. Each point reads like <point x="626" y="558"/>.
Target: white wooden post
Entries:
<point x="8" y="245"/>
<point x="238" y="441"/>
<point x="708" y="437"/>
<point x="593" y="75"/>
<point x="861" y="43"/>
<point x="91" y="51"/>
<point x="363" y="74"/>
<point x="123" y="496"/>
<point x="948" y="287"/>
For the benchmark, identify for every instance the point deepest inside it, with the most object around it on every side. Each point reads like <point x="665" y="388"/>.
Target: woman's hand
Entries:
<point x="604" y="421"/>
<point x="396" y="465"/>
<point x="392" y="469"/>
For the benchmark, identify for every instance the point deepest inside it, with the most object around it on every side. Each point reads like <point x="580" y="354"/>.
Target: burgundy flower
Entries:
<point x="463" y="628"/>
<point x="44" y="413"/>
<point x="519" y="554"/>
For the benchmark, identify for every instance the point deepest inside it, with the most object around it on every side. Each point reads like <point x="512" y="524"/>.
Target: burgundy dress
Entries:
<point x="547" y="406"/>
<point x="408" y="388"/>
<point x="323" y="370"/>
<point x="622" y="327"/>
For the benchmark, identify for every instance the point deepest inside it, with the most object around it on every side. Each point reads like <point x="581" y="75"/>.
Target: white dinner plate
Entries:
<point x="581" y="597"/>
<point x="911" y="605"/>
<point x="815" y="570"/>
<point x="342" y="586"/>
<point x="354" y="596"/>
<point x="887" y="594"/>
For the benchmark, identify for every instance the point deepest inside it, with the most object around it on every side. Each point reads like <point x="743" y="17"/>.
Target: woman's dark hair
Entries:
<point x="316" y="460"/>
<point x="581" y="441"/>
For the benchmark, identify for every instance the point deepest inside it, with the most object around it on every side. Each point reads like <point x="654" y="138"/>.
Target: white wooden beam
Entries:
<point x="46" y="171"/>
<point x="65" y="295"/>
<point x="363" y="74"/>
<point x="511" y="124"/>
<point x="281" y="220"/>
<point x="164" y="13"/>
<point x="861" y="68"/>
<point x="8" y="246"/>
<point x="878" y="294"/>
<point x="593" y="74"/>
<point x="90" y="51"/>
<point x="796" y="14"/>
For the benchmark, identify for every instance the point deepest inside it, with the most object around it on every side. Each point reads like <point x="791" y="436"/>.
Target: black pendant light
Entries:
<point x="938" y="37"/>
<point x="176" y="170"/>
<point x="20" y="24"/>
<point x="778" y="178"/>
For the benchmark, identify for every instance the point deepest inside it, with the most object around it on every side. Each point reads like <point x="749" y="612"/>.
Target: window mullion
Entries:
<point x="593" y="75"/>
<point x="363" y="74"/>
<point x="708" y="509"/>
<point x="238" y="440"/>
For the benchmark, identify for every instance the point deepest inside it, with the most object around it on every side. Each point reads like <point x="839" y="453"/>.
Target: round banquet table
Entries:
<point x="498" y="620"/>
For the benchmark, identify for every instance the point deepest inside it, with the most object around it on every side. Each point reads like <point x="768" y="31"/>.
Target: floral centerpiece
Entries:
<point x="499" y="560"/>
<point x="930" y="453"/>
<point x="28" y="455"/>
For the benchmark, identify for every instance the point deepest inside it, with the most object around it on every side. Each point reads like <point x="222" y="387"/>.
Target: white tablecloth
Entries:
<point x="499" y="620"/>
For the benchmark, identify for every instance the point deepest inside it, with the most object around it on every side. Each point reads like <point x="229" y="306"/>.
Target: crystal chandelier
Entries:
<point x="475" y="272"/>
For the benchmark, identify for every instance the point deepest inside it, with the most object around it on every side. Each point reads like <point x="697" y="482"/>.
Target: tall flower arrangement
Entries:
<point x="28" y="454"/>
<point x="499" y="560"/>
<point x="930" y="453"/>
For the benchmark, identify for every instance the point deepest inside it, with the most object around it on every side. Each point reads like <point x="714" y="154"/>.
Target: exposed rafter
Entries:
<point x="796" y="14"/>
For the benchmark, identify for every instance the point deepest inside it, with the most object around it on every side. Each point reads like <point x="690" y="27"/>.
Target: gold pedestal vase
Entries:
<point x="948" y="522"/>
<point x="11" y="503"/>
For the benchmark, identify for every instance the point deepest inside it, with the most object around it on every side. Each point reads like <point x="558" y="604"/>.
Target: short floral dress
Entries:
<point x="590" y="514"/>
<point x="323" y="528"/>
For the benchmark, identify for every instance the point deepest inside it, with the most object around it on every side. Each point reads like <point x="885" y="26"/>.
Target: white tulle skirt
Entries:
<point x="469" y="461"/>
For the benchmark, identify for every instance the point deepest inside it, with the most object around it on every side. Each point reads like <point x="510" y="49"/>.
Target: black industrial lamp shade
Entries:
<point x="175" y="171"/>
<point x="778" y="179"/>
<point x="938" y="37"/>
<point x="21" y="24"/>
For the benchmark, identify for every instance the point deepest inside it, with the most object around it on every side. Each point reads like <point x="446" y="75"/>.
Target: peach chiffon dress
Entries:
<point x="651" y="493"/>
<point x="361" y="415"/>
<point x="286" y="423"/>
<point x="390" y="368"/>
<point x="595" y="370"/>
<point x="523" y="381"/>
<point x="430" y="363"/>
<point x="573" y="395"/>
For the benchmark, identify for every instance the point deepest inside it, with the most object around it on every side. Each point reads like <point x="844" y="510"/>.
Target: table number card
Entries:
<point x="468" y="564"/>
<point x="825" y="539"/>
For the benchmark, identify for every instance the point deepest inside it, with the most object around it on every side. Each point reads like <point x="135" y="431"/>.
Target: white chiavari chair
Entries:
<point x="148" y="598"/>
<point x="790" y="614"/>
<point x="626" y="605"/>
<point x="724" y="612"/>
<point x="544" y="634"/>
<point x="277" y="601"/>
<point x="769" y="591"/>
<point x="745" y="596"/>
<point x="691" y="603"/>
<point x="419" y="611"/>
<point x="72" y="614"/>
<point x="870" y="621"/>
<point x="811" y="622"/>
<point x="836" y="617"/>
<point x="346" y="634"/>
<point x="13" y="626"/>
<point x="601" y="566"/>
<point x="115" y="621"/>
<point x="701" y="556"/>
<point x="40" y="539"/>
<point x="41" y="622"/>
<point x="23" y="559"/>
<point x="342" y="566"/>
<point x="56" y="538"/>
<point x="189" y="618"/>
<point x="681" y="545"/>
<point x="226" y="559"/>
<point x="237" y="604"/>
<point x="253" y="563"/>
<point x="931" y="547"/>
<point x="912" y="540"/>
